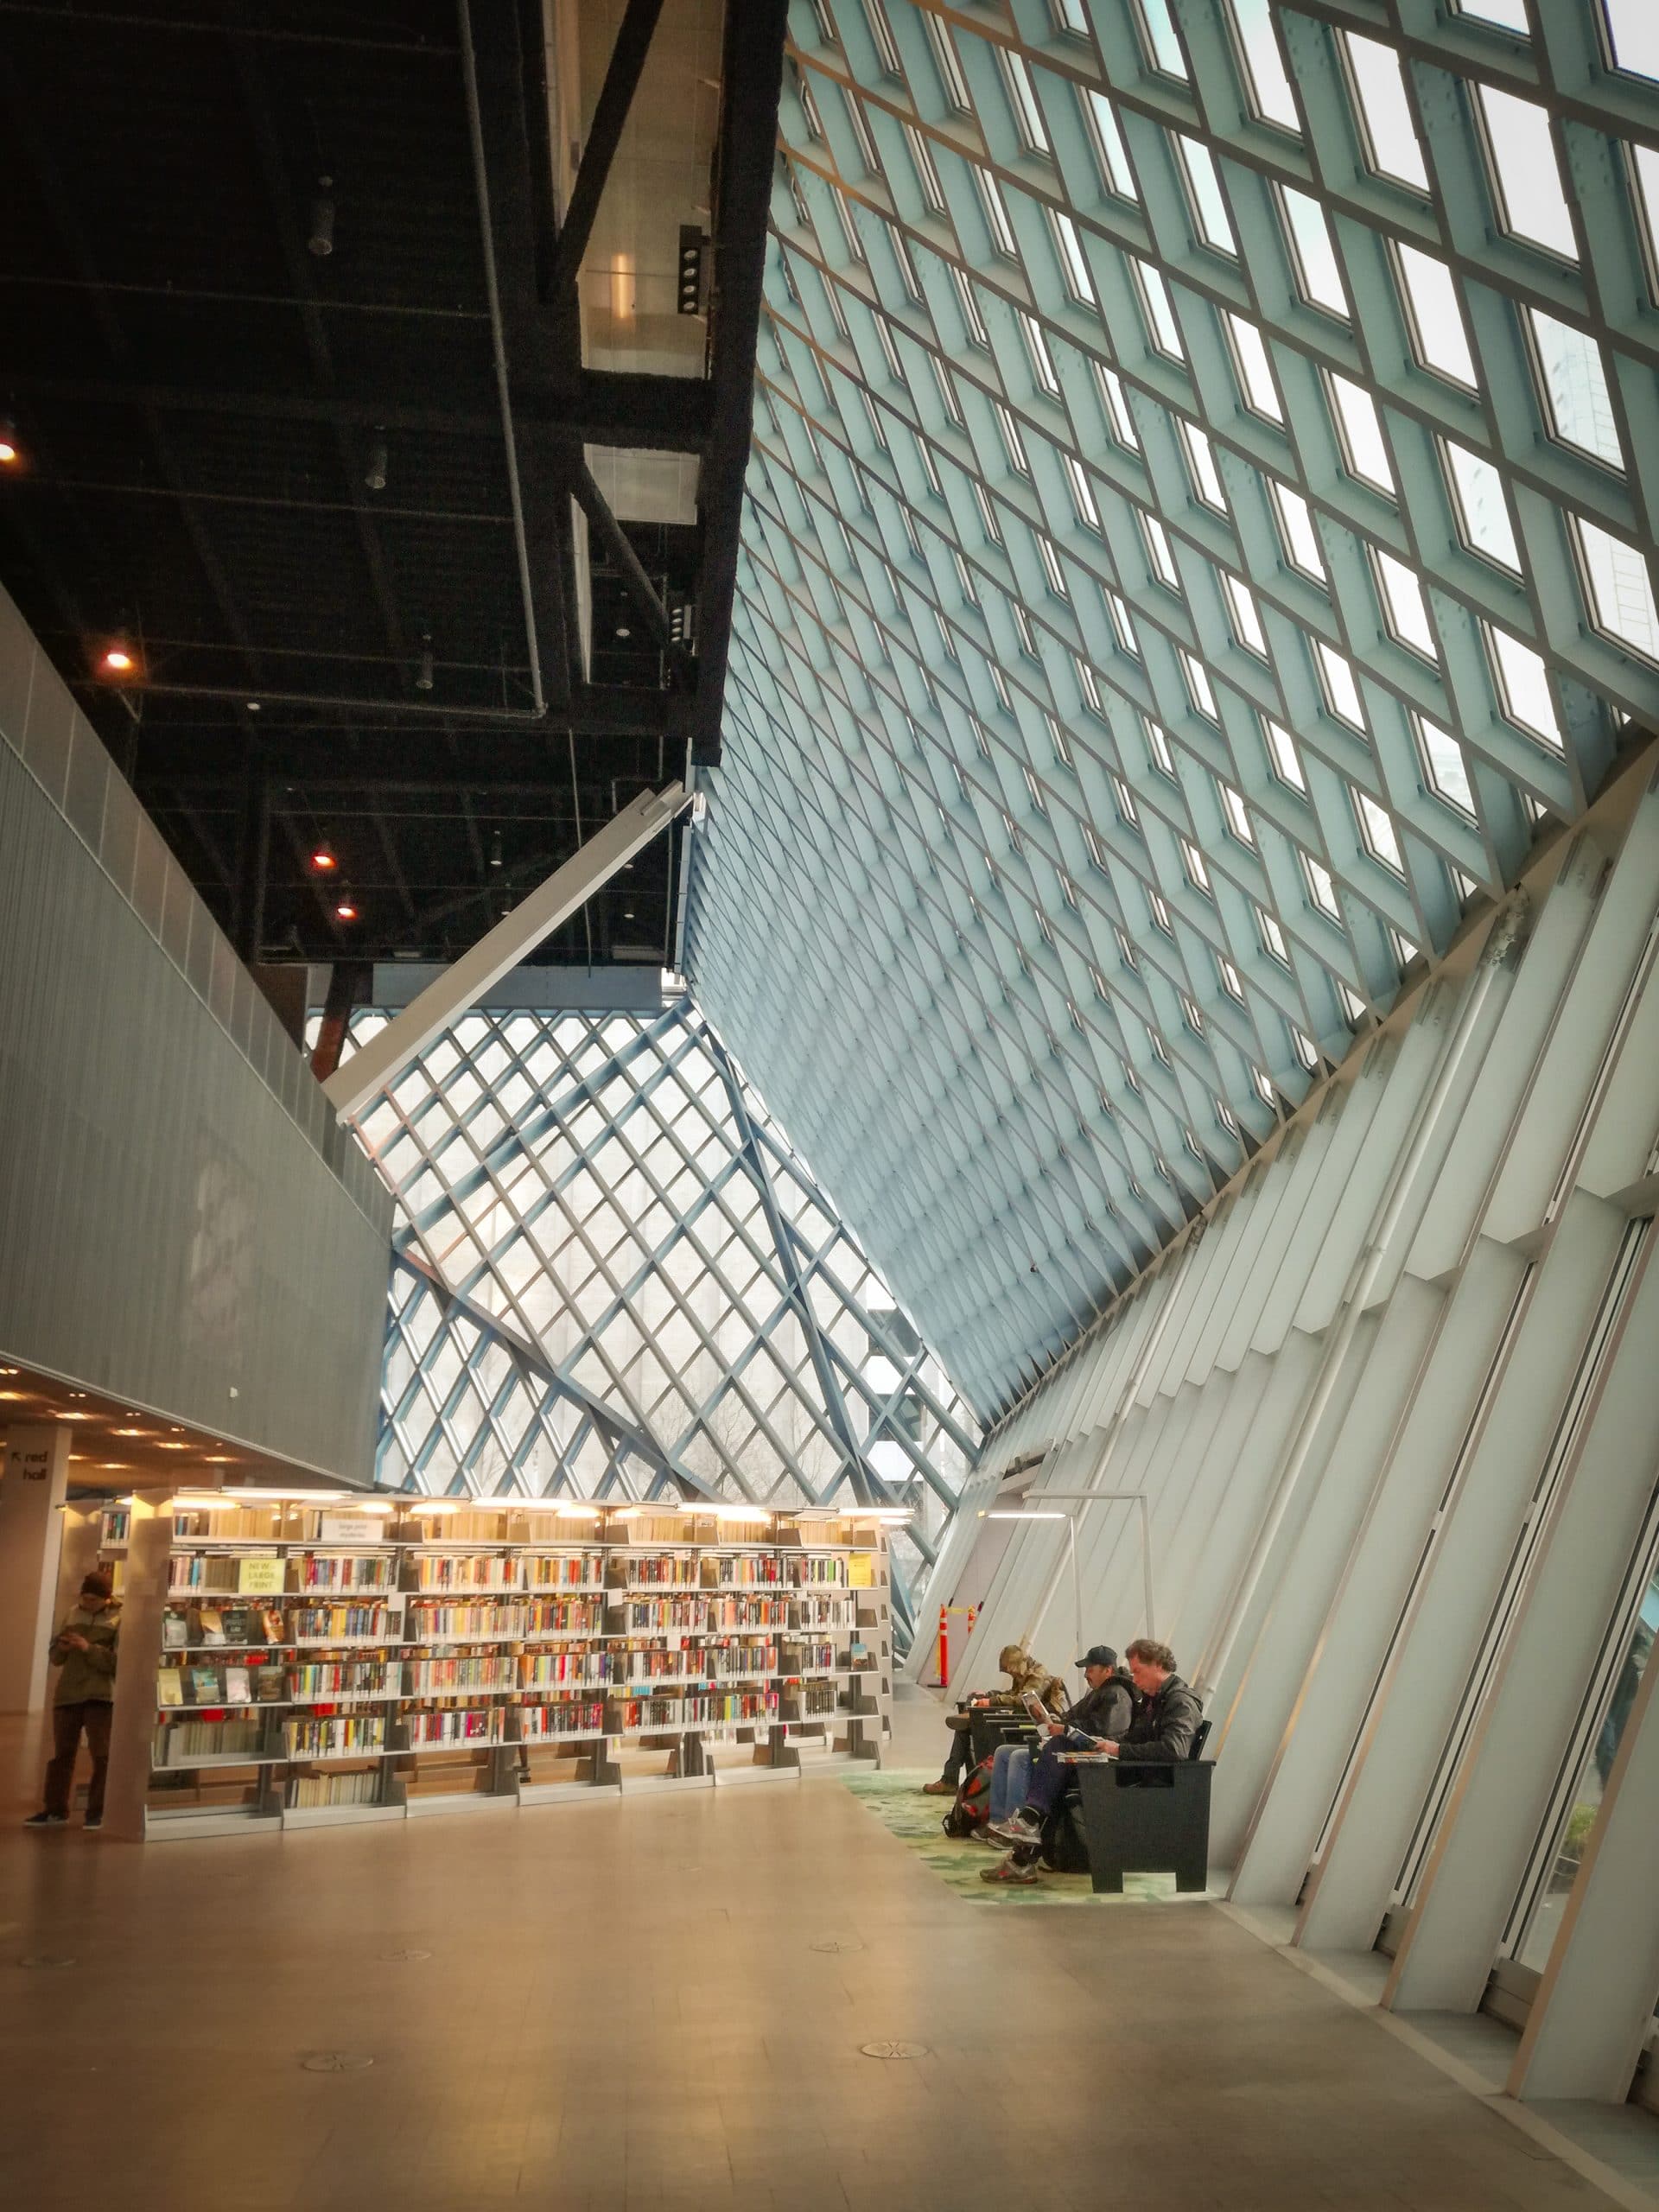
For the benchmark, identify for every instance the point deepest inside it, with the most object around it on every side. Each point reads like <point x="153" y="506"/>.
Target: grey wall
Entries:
<point x="179" y="1213"/>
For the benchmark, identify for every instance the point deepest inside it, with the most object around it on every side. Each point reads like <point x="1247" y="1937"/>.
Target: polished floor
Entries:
<point x="664" y="2004"/>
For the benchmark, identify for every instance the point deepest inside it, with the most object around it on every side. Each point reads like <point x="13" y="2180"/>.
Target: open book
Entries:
<point x="1077" y="1745"/>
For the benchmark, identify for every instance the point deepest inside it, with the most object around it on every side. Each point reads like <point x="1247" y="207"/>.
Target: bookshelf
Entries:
<point x="293" y="1661"/>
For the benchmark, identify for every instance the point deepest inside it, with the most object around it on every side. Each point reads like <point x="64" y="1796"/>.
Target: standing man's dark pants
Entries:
<point x="68" y="1722"/>
<point x="961" y="1743"/>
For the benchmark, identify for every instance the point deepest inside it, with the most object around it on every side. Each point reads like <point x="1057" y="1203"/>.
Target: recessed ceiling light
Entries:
<point x="118" y="659"/>
<point x="323" y="860"/>
<point x="346" y="912"/>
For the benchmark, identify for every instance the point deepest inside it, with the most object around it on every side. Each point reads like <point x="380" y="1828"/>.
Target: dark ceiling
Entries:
<point x="205" y="405"/>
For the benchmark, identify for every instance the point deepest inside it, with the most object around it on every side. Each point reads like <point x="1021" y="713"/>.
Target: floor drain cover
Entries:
<point x="893" y="2050"/>
<point x="46" y="1959"/>
<point x="838" y="1943"/>
<point x="335" y="2062"/>
<point x="404" y="1958"/>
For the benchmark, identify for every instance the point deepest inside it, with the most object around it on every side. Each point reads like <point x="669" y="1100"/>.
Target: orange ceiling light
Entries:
<point x="117" y="660"/>
<point x="11" y="454"/>
<point x="323" y="860"/>
<point x="344" y="911"/>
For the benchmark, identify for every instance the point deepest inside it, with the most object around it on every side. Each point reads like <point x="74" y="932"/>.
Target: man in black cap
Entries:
<point x="1105" y="1710"/>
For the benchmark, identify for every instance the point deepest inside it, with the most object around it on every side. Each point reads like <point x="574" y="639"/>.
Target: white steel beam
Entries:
<point x="386" y="1054"/>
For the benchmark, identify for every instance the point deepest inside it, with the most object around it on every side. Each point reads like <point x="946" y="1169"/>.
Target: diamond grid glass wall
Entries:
<point x="613" y="1277"/>
<point x="1205" y="461"/>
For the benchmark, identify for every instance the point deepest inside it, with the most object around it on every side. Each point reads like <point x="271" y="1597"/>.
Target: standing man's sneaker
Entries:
<point x="1018" y="1828"/>
<point x="1009" y="1871"/>
<point x="45" y="1821"/>
<point x="93" y="1826"/>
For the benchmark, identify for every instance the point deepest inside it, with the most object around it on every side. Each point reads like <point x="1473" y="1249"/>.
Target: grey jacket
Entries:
<point x="1165" y="1727"/>
<point x="1107" y="1711"/>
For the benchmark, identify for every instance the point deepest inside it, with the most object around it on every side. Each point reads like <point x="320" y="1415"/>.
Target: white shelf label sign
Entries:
<point x="350" y="1528"/>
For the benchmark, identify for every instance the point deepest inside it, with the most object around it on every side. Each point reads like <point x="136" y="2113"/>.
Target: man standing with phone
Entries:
<point x="84" y="1648"/>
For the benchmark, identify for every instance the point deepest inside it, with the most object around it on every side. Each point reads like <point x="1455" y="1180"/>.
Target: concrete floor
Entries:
<point x="625" y="2005"/>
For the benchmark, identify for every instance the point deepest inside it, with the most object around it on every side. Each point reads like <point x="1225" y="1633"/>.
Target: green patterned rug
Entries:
<point x="895" y="1798"/>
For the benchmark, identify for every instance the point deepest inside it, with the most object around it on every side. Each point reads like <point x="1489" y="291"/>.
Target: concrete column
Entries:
<point x="34" y="1483"/>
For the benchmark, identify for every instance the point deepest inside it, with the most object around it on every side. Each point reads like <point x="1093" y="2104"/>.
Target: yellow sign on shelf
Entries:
<point x="261" y="1578"/>
<point x="860" y="1572"/>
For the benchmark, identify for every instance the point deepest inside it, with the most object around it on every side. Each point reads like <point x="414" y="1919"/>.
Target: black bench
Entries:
<point x="1148" y="1818"/>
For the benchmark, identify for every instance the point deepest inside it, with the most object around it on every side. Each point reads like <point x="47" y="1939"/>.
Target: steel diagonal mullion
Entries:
<point x="519" y="1141"/>
<point x="604" y="1415"/>
<point x="867" y="1487"/>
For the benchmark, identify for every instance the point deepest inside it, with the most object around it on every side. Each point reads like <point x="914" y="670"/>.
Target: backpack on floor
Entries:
<point x="971" y="1807"/>
<point x="1065" y="1847"/>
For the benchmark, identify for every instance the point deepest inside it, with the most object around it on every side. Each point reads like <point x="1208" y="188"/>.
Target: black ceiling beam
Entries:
<point x="752" y="75"/>
<point x="620" y="552"/>
<point x="594" y="710"/>
<point x="622" y="76"/>
<point x="606" y="407"/>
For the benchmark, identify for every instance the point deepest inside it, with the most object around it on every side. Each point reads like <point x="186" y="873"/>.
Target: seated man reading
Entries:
<point x="1030" y="1679"/>
<point x="1105" y="1709"/>
<point x="1163" y="1730"/>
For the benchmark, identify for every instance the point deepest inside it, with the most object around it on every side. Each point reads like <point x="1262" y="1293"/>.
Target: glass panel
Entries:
<point x="1437" y="332"/>
<point x="1209" y="205"/>
<point x="1360" y="428"/>
<point x="1620" y="589"/>
<point x="1443" y="765"/>
<point x="1264" y="68"/>
<point x="1592" y="1781"/>
<point x="1296" y="526"/>
<point x="1477" y="498"/>
<point x="1255" y="369"/>
<point x="1385" y="111"/>
<point x="1531" y="204"/>
<point x="1313" y="252"/>
<point x="1576" y="404"/>
<point x="1162" y="42"/>
<point x="1633" y="36"/>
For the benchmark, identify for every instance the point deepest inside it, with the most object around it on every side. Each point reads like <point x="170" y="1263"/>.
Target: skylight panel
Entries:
<point x="1272" y="936"/>
<point x="1360" y="429"/>
<point x="1478" y="502"/>
<point x="1197" y="871"/>
<point x="977" y="333"/>
<point x="1445" y="770"/>
<point x="1301" y="539"/>
<point x="1116" y="403"/>
<point x="1524" y="686"/>
<point x="1230" y="982"/>
<point x="1263" y="66"/>
<point x="1305" y="1050"/>
<point x="1620" y="587"/>
<point x="1158" y="552"/>
<point x="1204" y="189"/>
<point x="1236" y="813"/>
<point x="1377" y="833"/>
<point x="947" y="386"/>
<point x="1246" y="620"/>
<point x="1201" y="465"/>
<point x="1165" y="331"/>
<point x="1022" y="98"/>
<point x="1282" y="751"/>
<point x="1073" y="260"/>
<point x="887" y="47"/>
<point x="1122" y="621"/>
<point x="1577" y="408"/>
<point x="1313" y="253"/>
<point x="1116" y="172"/>
<point x="1162" y="42"/>
<point x="1341" y="691"/>
<point x="996" y="213"/>
<point x="1052" y="569"/>
<point x="1013" y="443"/>
<point x="1644" y="190"/>
<point x="861" y="127"/>
<point x="1198" y="685"/>
<point x="988" y="514"/>
<point x="1158" y="746"/>
<point x="927" y="174"/>
<point x="1404" y="607"/>
<point x="1125" y="806"/>
<point x="1320" y="887"/>
<point x="948" y="62"/>
<point x="1504" y="15"/>
<point x="1083" y="498"/>
<point x="1433" y="316"/>
<point x="1089" y="685"/>
<point x="1525" y="174"/>
<point x="1042" y="360"/>
<point x="1632" y="32"/>
<point x="1386" y="125"/>
<point x="1256" y="375"/>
